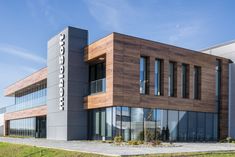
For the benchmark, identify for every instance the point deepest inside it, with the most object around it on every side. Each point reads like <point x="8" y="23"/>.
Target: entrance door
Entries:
<point x="41" y="127"/>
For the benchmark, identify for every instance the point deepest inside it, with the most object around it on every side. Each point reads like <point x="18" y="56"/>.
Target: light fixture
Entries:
<point x="101" y="58"/>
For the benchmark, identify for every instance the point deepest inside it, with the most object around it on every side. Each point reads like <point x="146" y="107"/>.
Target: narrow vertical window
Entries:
<point x="172" y="79"/>
<point x="197" y="82"/>
<point x="185" y="81"/>
<point x="218" y="81"/>
<point x="158" y="77"/>
<point x="143" y="75"/>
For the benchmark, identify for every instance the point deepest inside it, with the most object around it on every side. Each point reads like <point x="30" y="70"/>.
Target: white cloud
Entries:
<point x="22" y="53"/>
<point x="111" y="15"/>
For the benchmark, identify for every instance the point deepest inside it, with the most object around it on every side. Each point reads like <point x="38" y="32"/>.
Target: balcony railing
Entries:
<point x="98" y="86"/>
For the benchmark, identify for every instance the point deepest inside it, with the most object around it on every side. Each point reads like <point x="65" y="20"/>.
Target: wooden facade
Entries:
<point x="123" y="54"/>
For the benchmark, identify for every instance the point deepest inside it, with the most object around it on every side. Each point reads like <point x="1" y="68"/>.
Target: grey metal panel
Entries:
<point x="70" y="123"/>
<point x="232" y="100"/>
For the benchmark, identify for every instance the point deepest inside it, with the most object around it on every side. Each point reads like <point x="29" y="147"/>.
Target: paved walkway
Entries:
<point x="113" y="150"/>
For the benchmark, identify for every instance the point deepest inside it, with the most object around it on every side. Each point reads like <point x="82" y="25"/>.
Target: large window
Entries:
<point x="173" y="125"/>
<point x="109" y="122"/>
<point x="185" y="81"/>
<point x="200" y="126"/>
<point x="192" y="123"/>
<point x="197" y="82"/>
<point x="126" y="123"/>
<point x="137" y="125"/>
<point x="209" y="126"/>
<point x="172" y="79"/>
<point x="149" y="124"/>
<point x="162" y="130"/>
<point x="183" y="126"/>
<point x="143" y="75"/>
<point x="97" y="77"/>
<point x="158" y="77"/>
<point x="29" y="98"/>
<point x="23" y="127"/>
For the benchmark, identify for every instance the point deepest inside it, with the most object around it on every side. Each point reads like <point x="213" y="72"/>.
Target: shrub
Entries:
<point x="133" y="142"/>
<point x="118" y="139"/>
<point x="229" y="139"/>
<point x="158" y="142"/>
<point x="140" y="142"/>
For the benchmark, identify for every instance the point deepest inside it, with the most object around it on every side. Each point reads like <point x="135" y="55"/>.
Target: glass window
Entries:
<point x="118" y="121"/>
<point x="97" y="123"/>
<point x="197" y="82"/>
<point x="143" y="76"/>
<point x="149" y="124"/>
<point x="215" y="133"/>
<point x="97" y="76"/>
<point x="192" y="129"/>
<point x="173" y="125"/>
<point x="200" y="126"/>
<point x="209" y="126"/>
<point x="103" y="120"/>
<point x="158" y="77"/>
<point x="185" y="80"/>
<point x="162" y="130"/>
<point x="109" y="122"/>
<point x="137" y="124"/>
<point x="218" y="82"/>
<point x="183" y="125"/>
<point x="172" y="79"/>
<point x="126" y="123"/>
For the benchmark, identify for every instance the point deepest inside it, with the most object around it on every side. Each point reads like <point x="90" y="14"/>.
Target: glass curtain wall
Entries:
<point x="33" y="97"/>
<point x="22" y="127"/>
<point x="137" y="125"/>
<point x="151" y="124"/>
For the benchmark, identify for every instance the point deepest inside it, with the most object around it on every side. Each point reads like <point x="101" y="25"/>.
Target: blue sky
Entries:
<point x="27" y="25"/>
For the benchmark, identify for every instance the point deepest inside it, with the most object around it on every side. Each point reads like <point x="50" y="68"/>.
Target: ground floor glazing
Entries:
<point x="30" y="127"/>
<point x="151" y="124"/>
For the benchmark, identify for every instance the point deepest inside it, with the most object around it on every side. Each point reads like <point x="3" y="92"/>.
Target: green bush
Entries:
<point x="118" y="139"/>
<point x="133" y="142"/>
<point x="140" y="142"/>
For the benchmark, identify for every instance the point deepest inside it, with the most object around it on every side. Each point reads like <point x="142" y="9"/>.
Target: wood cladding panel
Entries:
<point x="103" y="47"/>
<point x="30" y="80"/>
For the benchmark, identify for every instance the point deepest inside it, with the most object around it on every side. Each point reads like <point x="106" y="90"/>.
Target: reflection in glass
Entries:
<point x="200" y="126"/>
<point x="183" y="125"/>
<point x="137" y="123"/>
<point x="162" y="130"/>
<point x="209" y="126"/>
<point x="109" y="122"/>
<point x="192" y="129"/>
<point x="149" y="124"/>
<point x="126" y="123"/>
<point x="173" y="124"/>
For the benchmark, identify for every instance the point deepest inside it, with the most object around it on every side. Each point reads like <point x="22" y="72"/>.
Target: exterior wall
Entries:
<point x="231" y="100"/>
<point x="227" y="50"/>
<point x="103" y="47"/>
<point x="125" y="52"/>
<point x="1" y="123"/>
<point x="39" y="111"/>
<point x="70" y="123"/>
<point x="30" y="80"/>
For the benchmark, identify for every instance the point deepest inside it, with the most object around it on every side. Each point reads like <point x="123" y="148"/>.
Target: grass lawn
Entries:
<point x="18" y="150"/>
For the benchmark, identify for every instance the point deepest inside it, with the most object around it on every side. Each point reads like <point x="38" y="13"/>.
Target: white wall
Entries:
<point x="1" y="123"/>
